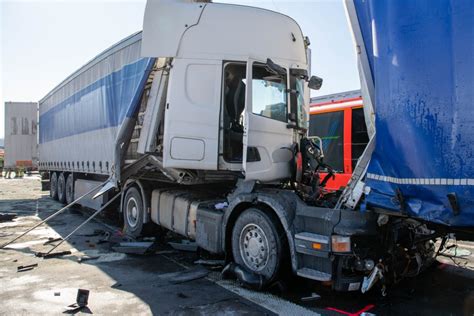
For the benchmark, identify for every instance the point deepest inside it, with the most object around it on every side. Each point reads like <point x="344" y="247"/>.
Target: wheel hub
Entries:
<point x="132" y="212"/>
<point x="254" y="247"/>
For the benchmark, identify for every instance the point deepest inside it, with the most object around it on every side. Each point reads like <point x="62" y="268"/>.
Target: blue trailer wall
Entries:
<point x="104" y="103"/>
<point x="81" y="119"/>
<point x="421" y="54"/>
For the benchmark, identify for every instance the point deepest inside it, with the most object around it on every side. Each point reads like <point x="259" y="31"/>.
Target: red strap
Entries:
<point x="358" y="313"/>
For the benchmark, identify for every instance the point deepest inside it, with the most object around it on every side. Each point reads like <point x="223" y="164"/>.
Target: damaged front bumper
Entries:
<point x="336" y="246"/>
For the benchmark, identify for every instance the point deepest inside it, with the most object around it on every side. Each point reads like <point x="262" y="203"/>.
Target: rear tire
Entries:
<point x="69" y="189"/>
<point x="256" y="244"/>
<point x="133" y="212"/>
<point x="53" y="186"/>
<point x="61" y="188"/>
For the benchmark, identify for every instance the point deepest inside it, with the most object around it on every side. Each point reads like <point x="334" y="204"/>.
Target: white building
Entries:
<point x="21" y="126"/>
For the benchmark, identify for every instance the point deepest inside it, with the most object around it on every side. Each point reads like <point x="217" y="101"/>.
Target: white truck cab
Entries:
<point x="215" y="117"/>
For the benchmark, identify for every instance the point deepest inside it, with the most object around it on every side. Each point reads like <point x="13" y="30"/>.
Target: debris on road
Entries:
<point x="26" y="268"/>
<point x="51" y="240"/>
<point x="87" y="258"/>
<point x="184" y="245"/>
<point x="47" y="255"/>
<point x="97" y="232"/>
<point x="6" y="217"/>
<point x="248" y="279"/>
<point x="82" y="299"/>
<point x="205" y="262"/>
<point x="185" y="275"/>
<point x="312" y="297"/>
<point x="165" y="252"/>
<point x="134" y="248"/>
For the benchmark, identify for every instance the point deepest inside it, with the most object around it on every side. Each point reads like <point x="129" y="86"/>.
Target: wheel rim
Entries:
<point x="254" y="248"/>
<point x="132" y="212"/>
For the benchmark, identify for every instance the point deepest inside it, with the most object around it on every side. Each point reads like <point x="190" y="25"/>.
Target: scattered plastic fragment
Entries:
<point x="312" y="297"/>
<point x="51" y="240"/>
<point x="6" y="217"/>
<point x="46" y="255"/>
<point x="82" y="299"/>
<point x="184" y="245"/>
<point x="210" y="262"/>
<point x="136" y="248"/>
<point x="26" y="268"/>
<point x="185" y="275"/>
<point x="87" y="258"/>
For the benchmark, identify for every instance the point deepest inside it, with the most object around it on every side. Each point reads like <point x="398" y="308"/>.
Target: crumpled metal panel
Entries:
<point x="421" y="57"/>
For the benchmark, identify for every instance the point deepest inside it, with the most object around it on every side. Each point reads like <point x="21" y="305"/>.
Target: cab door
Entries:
<point x="192" y="115"/>
<point x="267" y="139"/>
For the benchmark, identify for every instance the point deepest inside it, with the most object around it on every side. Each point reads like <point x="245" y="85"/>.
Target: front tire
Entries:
<point x="256" y="244"/>
<point x="62" y="188"/>
<point x="133" y="212"/>
<point x="53" y="186"/>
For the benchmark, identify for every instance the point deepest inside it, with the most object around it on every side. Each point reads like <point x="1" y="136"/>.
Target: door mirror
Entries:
<point x="315" y="83"/>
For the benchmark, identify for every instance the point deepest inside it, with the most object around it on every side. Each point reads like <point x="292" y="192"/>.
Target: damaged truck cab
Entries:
<point x="224" y="108"/>
<point x="237" y="101"/>
<point x="199" y="124"/>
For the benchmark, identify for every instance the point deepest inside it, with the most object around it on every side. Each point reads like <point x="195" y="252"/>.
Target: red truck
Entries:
<point x="338" y="119"/>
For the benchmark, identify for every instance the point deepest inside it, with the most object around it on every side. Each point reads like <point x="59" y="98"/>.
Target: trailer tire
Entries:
<point x="133" y="212"/>
<point x="69" y="189"/>
<point x="53" y="186"/>
<point x="62" y="188"/>
<point x="256" y="245"/>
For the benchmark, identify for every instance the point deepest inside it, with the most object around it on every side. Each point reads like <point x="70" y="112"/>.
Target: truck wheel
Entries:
<point x="133" y="212"/>
<point x="256" y="245"/>
<point x="53" y="186"/>
<point x="61" y="188"/>
<point x="69" y="189"/>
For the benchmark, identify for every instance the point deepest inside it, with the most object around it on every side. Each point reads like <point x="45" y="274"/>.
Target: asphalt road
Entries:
<point x="150" y="284"/>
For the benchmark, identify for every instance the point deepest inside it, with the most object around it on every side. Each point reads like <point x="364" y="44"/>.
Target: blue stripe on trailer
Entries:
<point x="103" y="104"/>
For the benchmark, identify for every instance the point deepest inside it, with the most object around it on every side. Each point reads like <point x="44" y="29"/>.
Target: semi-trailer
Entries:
<point x="199" y="124"/>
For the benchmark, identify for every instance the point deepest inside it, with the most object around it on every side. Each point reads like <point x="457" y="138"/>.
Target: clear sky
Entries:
<point x="42" y="42"/>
